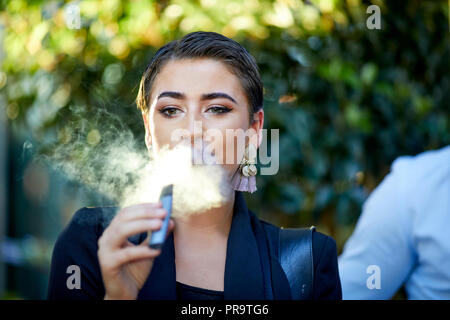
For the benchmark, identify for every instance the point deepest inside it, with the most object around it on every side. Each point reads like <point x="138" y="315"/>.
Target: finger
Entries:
<point x="170" y="227"/>
<point x="118" y="221"/>
<point x="154" y="212"/>
<point x="129" y="254"/>
<point x="146" y="240"/>
<point x="128" y="243"/>
<point x="138" y="209"/>
<point x="130" y="228"/>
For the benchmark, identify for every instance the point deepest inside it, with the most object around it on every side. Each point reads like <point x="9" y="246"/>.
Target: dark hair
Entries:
<point x="202" y="44"/>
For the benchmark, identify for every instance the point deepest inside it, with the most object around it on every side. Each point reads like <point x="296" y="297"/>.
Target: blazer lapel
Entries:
<point x="243" y="278"/>
<point x="243" y="270"/>
<point x="161" y="283"/>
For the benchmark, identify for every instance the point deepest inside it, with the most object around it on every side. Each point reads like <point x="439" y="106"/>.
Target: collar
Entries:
<point x="247" y="268"/>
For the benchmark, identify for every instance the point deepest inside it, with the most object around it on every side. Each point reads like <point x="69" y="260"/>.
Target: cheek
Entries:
<point x="161" y="135"/>
<point x="229" y="144"/>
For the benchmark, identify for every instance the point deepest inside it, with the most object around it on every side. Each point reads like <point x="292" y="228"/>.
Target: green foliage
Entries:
<point x="347" y="100"/>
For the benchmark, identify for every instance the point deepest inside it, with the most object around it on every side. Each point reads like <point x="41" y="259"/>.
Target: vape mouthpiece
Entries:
<point x="166" y="191"/>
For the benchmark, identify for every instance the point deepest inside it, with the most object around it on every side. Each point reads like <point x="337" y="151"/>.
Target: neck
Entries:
<point x="215" y="222"/>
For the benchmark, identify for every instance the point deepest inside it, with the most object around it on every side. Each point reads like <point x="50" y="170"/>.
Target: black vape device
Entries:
<point x="157" y="237"/>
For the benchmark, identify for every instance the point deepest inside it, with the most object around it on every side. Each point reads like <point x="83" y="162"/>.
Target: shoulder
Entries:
<point x="414" y="182"/>
<point x="431" y="158"/>
<point x="80" y="236"/>
<point x="323" y="247"/>
<point x="93" y="217"/>
<point x="77" y="245"/>
<point x="412" y="171"/>
<point x="322" y="244"/>
<point x="87" y="223"/>
<point x="327" y="283"/>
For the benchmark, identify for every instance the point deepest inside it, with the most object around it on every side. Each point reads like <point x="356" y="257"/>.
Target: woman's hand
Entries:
<point x="125" y="266"/>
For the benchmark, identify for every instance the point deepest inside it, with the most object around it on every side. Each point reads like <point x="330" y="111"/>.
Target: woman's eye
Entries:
<point x="169" y="111"/>
<point x="219" y="109"/>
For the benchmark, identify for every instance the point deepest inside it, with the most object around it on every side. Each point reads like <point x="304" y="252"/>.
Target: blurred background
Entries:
<point x="347" y="99"/>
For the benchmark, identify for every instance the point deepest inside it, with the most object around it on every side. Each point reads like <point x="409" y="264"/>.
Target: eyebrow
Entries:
<point x="205" y="96"/>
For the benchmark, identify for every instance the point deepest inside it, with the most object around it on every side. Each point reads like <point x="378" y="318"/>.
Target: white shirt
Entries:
<point x="404" y="229"/>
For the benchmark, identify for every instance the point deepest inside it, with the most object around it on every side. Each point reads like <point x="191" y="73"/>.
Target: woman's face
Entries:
<point x="199" y="98"/>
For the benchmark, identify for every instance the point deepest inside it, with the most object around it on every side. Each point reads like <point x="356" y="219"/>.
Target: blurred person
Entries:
<point x="402" y="237"/>
<point x="224" y="253"/>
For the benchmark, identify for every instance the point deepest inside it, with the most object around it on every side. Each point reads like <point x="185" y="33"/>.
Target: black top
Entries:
<point x="187" y="292"/>
<point x="252" y="270"/>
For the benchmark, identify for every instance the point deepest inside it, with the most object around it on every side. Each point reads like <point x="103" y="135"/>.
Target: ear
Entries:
<point x="148" y="137"/>
<point x="257" y="125"/>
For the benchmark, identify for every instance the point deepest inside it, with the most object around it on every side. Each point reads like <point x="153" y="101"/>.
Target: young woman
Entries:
<point x="224" y="253"/>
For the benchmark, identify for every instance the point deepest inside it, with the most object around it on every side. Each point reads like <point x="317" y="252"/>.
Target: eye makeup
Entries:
<point x="220" y="109"/>
<point x="167" y="111"/>
<point x="171" y="112"/>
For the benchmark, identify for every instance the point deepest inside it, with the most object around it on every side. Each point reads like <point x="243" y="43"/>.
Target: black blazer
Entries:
<point x="252" y="270"/>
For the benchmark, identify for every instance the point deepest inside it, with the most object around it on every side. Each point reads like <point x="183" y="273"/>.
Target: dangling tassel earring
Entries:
<point x="244" y="178"/>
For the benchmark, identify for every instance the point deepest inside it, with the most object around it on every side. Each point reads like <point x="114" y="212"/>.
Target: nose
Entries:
<point x="192" y="129"/>
<point x="195" y="128"/>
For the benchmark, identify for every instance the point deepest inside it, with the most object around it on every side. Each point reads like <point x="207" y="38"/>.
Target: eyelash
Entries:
<point x="164" y="110"/>
<point x="222" y="109"/>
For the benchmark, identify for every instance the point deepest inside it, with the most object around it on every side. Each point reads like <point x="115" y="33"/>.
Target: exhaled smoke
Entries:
<point x="116" y="168"/>
<point x="197" y="187"/>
